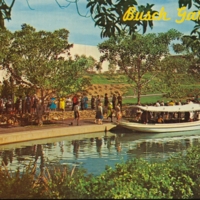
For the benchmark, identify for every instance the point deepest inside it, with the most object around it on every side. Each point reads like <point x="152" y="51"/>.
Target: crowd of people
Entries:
<point x="109" y="107"/>
<point x="103" y="107"/>
<point x="20" y="105"/>
<point x="30" y="104"/>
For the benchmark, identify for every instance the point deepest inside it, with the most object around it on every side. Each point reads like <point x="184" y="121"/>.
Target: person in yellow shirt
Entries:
<point x="62" y="104"/>
<point x="171" y="103"/>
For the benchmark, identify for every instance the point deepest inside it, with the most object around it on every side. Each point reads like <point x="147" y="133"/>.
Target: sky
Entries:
<point x="47" y="15"/>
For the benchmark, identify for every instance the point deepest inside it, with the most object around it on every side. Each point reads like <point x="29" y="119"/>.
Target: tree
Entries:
<point x="73" y="75"/>
<point x="5" y="12"/>
<point x="5" y="37"/>
<point x="190" y="49"/>
<point x="108" y="15"/>
<point x="174" y="76"/>
<point x="38" y="60"/>
<point x="6" y="90"/>
<point x="139" y="59"/>
<point x="189" y="45"/>
<point x="196" y="3"/>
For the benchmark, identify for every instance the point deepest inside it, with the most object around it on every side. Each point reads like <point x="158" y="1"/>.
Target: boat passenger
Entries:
<point x="171" y="103"/>
<point x="179" y="103"/>
<point x="138" y="114"/>
<point x="187" y="116"/>
<point x="162" y="103"/>
<point x="160" y="119"/>
<point x="189" y="101"/>
<point x="198" y="115"/>
<point x="157" y="103"/>
<point x="191" y="116"/>
<point x="144" y="117"/>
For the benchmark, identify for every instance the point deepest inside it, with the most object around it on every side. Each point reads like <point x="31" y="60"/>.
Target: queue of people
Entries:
<point x="19" y="105"/>
<point x="106" y="107"/>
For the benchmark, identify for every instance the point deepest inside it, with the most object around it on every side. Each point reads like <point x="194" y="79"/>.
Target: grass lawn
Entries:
<point x="148" y="99"/>
<point x="121" y="79"/>
<point x="144" y="99"/>
<point x="100" y="79"/>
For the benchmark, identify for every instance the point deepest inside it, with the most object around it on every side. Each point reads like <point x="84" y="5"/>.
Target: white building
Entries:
<point x="88" y="51"/>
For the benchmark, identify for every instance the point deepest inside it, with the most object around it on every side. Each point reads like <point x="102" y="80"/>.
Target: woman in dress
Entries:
<point x="99" y="114"/>
<point x="85" y="102"/>
<point x="118" y="112"/>
<point x="53" y="105"/>
<point x="62" y="104"/>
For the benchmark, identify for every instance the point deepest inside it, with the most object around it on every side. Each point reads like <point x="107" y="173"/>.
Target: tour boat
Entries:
<point x="175" y="118"/>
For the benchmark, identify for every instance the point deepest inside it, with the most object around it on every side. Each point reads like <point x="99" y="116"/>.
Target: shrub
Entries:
<point x="176" y="178"/>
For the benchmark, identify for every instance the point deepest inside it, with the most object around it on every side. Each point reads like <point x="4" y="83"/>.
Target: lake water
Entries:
<point x="96" y="150"/>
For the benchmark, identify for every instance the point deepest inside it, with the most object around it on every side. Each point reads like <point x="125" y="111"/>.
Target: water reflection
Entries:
<point x="117" y="144"/>
<point x="7" y="156"/>
<point x="40" y="154"/>
<point x="76" y="145"/>
<point x="98" y="145"/>
<point x="61" y="145"/>
<point x="94" y="151"/>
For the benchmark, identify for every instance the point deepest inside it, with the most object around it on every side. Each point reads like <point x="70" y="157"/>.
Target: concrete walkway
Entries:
<point x="13" y="134"/>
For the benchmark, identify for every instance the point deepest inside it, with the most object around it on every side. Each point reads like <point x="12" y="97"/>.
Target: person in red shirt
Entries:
<point x="74" y="101"/>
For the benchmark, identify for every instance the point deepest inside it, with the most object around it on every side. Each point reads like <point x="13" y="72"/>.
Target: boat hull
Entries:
<point x="161" y="128"/>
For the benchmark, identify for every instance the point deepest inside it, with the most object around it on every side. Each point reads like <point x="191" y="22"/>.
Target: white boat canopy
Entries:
<point x="176" y="108"/>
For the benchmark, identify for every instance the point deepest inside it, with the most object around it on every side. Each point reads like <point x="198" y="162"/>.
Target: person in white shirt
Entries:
<point x="77" y="113"/>
<point x="157" y="103"/>
<point x="162" y="103"/>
